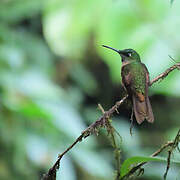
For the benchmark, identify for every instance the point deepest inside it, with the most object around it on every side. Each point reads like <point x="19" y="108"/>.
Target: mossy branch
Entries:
<point x="103" y="121"/>
<point x="112" y="133"/>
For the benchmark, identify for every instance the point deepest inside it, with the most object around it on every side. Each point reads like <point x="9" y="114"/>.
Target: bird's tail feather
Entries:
<point x="150" y="116"/>
<point x="142" y="110"/>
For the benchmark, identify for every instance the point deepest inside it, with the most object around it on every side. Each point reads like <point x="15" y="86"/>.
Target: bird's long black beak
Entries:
<point x="111" y="48"/>
<point x="118" y="51"/>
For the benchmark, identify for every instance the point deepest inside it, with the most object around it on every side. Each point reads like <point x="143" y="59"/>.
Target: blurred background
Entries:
<point x="54" y="72"/>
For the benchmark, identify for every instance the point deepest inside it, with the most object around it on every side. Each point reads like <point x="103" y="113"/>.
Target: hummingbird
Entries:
<point x="135" y="80"/>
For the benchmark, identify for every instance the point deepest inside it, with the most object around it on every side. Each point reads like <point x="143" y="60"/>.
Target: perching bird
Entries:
<point x="135" y="79"/>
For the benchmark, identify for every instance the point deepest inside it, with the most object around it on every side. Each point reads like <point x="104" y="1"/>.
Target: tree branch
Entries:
<point x="101" y="122"/>
<point x="165" y="73"/>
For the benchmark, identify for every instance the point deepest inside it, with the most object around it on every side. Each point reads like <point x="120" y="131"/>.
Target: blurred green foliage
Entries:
<point x="53" y="72"/>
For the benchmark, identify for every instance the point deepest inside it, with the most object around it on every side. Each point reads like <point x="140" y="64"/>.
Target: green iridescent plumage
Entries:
<point x="135" y="79"/>
<point x="138" y="78"/>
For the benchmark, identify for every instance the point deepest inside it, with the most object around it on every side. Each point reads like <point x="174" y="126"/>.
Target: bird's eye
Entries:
<point x="129" y="54"/>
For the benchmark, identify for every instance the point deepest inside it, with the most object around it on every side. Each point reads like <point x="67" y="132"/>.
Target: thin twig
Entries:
<point x="172" y="59"/>
<point x="172" y="147"/>
<point x="101" y="122"/>
<point x="101" y="108"/>
<point x="131" y="119"/>
<point x="169" y="143"/>
<point x="168" y="164"/>
<point x="111" y="132"/>
<point x="164" y="74"/>
<point x="116" y="153"/>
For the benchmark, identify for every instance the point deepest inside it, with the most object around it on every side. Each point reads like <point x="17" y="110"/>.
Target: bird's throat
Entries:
<point x="124" y="63"/>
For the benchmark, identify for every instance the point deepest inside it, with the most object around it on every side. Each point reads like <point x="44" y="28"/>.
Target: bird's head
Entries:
<point x="126" y="54"/>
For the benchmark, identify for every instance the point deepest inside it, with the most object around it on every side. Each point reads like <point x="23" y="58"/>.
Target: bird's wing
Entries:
<point x="139" y="80"/>
<point x="150" y="117"/>
<point x="126" y="78"/>
<point x="147" y="74"/>
<point x="135" y="78"/>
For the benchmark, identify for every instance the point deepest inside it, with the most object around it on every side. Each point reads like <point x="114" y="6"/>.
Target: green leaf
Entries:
<point x="130" y="162"/>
